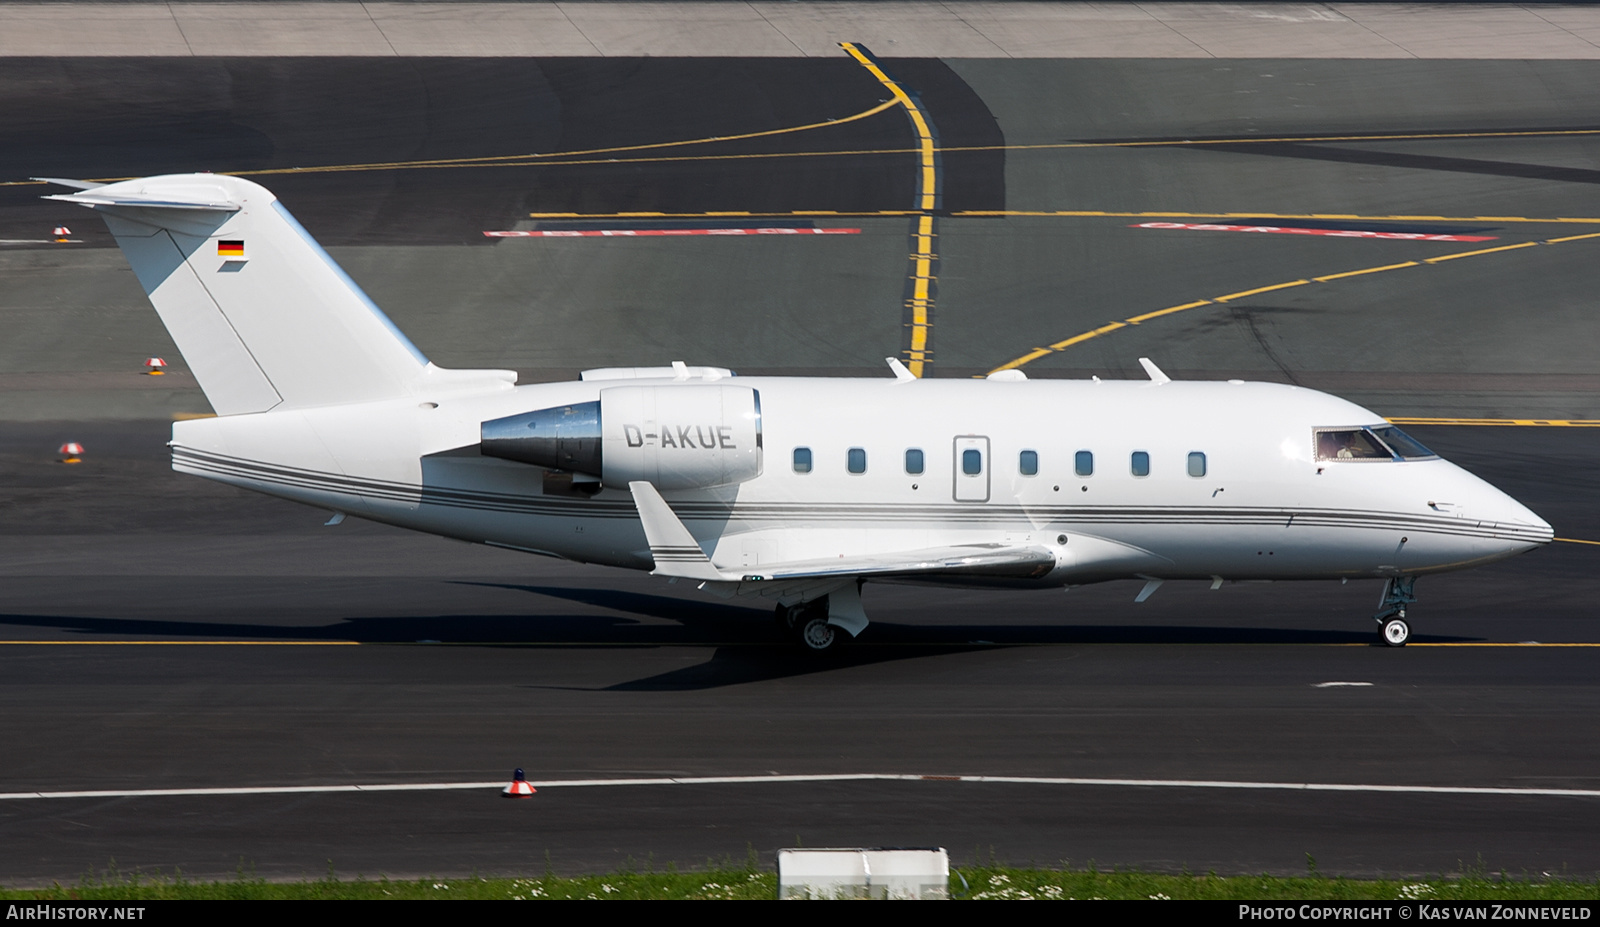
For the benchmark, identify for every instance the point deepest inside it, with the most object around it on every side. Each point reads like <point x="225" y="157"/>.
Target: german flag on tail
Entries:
<point x="230" y="249"/>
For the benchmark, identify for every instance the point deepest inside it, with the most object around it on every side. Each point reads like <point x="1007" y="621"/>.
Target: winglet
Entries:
<point x="675" y="550"/>
<point x="901" y="374"/>
<point x="1156" y="376"/>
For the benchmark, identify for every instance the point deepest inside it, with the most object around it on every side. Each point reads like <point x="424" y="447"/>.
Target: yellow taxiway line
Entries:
<point x="1498" y="422"/>
<point x="1037" y="353"/>
<point x="924" y="146"/>
<point x="922" y="278"/>
<point x="529" y="157"/>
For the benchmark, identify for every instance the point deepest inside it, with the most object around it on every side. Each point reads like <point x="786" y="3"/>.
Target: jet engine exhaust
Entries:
<point x="563" y="438"/>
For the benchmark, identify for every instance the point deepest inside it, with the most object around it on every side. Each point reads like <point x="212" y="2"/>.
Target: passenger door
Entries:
<point x="971" y="468"/>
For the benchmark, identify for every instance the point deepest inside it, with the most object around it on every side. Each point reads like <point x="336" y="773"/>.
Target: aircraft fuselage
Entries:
<point x="1259" y="504"/>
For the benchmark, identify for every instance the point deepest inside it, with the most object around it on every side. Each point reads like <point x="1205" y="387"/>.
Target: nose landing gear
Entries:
<point x="1391" y="615"/>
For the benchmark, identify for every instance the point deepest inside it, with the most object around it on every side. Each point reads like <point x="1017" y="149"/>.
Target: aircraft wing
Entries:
<point x="678" y="554"/>
<point x="966" y="559"/>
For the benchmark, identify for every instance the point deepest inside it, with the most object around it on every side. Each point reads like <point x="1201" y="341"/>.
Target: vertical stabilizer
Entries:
<point x="262" y="314"/>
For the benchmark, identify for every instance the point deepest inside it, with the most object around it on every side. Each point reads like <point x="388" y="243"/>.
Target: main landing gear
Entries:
<point x="806" y="623"/>
<point x="1391" y="615"/>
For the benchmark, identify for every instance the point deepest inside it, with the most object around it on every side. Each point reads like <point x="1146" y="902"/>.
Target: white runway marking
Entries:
<point x="839" y="777"/>
<point x="1336" y="685"/>
<point x="1299" y="230"/>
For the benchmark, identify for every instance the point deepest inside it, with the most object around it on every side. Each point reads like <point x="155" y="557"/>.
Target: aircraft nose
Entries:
<point x="1510" y="521"/>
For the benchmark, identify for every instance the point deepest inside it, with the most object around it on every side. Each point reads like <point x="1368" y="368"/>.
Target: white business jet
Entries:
<point x="797" y="490"/>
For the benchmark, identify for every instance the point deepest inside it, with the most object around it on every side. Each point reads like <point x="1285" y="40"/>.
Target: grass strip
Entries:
<point x="749" y="883"/>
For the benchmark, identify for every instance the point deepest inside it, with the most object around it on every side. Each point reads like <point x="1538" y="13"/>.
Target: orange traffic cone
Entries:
<point x="70" y="452"/>
<point x="519" y="787"/>
<point x="153" y="366"/>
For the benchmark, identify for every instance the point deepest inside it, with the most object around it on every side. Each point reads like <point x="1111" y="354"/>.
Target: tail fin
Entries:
<point x="262" y="314"/>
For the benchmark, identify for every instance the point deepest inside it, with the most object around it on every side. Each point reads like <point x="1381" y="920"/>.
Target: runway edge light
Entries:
<point x="71" y="452"/>
<point x="519" y="787"/>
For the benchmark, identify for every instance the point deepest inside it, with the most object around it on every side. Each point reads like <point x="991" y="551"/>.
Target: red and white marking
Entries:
<point x="1329" y="233"/>
<point x="519" y="787"/>
<point x="942" y="781"/>
<point x="663" y="233"/>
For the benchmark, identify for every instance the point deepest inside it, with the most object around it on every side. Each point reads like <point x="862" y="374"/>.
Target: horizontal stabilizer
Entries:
<point x="68" y="182"/>
<point x="185" y="193"/>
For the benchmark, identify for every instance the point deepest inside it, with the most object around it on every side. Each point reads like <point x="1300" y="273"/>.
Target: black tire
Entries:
<point x="807" y="625"/>
<point x="1396" y="632"/>
<point x="815" y="635"/>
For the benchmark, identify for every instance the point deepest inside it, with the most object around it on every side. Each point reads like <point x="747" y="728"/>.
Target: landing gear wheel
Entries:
<point x="816" y="635"/>
<point x="1398" y="592"/>
<point x="806" y="623"/>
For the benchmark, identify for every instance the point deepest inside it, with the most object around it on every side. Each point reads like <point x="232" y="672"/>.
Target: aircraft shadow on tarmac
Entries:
<point x="678" y="622"/>
<point x="748" y="645"/>
<point x="1414" y="161"/>
<point x="746" y="624"/>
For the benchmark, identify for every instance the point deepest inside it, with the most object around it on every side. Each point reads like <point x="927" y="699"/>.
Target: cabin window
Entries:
<point x="802" y="460"/>
<point x="972" y="461"/>
<point x="856" y="460"/>
<point x="1141" y="463"/>
<point x="1197" y="463"/>
<point x="914" y="460"/>
<point x="1083" y="463"/>
<point x="1028" y="463"/>
<point x="1350" y="444"/>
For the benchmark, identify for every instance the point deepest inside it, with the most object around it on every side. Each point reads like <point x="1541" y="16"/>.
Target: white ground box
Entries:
<point x="920" y="874"/>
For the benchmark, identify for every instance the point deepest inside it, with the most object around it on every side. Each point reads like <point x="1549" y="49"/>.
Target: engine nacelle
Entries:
<point x="675" y="437"/>
<point x="680" y="437"/>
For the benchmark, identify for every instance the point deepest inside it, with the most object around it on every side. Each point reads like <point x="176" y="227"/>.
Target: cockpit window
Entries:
<point x="1350" y="444"/>
<point x="1383" y="443"/>
<point x="1407" y="447"/>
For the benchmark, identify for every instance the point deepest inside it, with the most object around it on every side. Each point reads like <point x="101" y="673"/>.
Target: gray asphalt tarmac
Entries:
<point x="576" y="672"/>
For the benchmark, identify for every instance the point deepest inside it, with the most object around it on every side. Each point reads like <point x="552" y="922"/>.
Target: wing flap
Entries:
<point x="960" y="559"/>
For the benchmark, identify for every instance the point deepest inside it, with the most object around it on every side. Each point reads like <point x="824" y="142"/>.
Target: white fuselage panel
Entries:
<point x="905" y="465"/>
